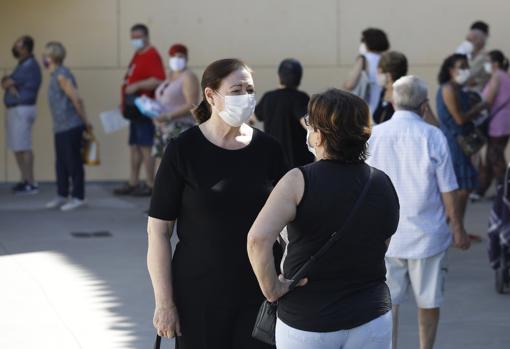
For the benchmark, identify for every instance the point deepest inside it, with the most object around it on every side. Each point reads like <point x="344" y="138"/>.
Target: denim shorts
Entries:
<point x="141" y="133"/>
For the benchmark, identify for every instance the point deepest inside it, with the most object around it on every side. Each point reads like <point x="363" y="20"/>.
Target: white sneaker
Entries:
<point x="57" y="202"/>
<point x="73" y="204"/>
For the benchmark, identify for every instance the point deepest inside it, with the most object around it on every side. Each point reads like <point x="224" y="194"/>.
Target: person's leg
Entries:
<point x="463" y="196"/>
<point x="20" y="161"/>
<point x="76" y="170"/>
<point x="428" y="319"/>
<point x="136" y="164"/>
<point x="428" y="276"/>
<point x="288" y="337"/>
<point x="497" y="158"/>
<point x="394" y="331"/>
<point x="462" y="201"/>
<point x="485" y="173"/>
<point x="397" y="279"/>
<point x="149" y="165"/>
<point x="61" y="169"/>
<point x="29" y="166"/>
<point x="28" y="155"/>
<point x="375" y="334"/>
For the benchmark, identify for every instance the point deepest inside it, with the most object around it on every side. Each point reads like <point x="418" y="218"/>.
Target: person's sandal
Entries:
<point x="475" y="238"/>
<point x="142" y="191"/>
<point x="127" y="189"/>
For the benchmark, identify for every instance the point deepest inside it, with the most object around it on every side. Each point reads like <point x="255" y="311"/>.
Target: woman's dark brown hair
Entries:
<point x="394" y="63"/>
<point x="212" y="78"/>
<point x="344" y="122"/>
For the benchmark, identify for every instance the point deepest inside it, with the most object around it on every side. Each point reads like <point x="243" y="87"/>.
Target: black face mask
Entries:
<point x="15" y="53"/>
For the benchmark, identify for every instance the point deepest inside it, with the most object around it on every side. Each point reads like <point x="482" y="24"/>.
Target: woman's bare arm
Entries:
<point x="453" y="106"/>
<point x="355" y="74"/>
<point x="159" y="263"/>
<point x="492" y="89"/>
<point x="279" y="210"/>
<point x="159" y="257"/>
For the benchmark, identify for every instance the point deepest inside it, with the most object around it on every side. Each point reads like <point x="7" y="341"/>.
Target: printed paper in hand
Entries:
<point x="113" y="121"/>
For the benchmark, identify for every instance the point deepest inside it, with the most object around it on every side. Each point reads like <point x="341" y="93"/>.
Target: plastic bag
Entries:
<point x="90" y="150"/>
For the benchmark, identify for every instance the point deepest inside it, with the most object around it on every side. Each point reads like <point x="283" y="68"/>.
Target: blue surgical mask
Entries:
<point x="137" y="43"/>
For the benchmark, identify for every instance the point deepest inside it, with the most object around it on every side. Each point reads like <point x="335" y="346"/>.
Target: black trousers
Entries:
<point x="69" y="163"/>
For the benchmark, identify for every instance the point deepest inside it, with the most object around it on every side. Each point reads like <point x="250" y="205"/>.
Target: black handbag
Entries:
<point x="471" y="140"/>
<point x="265" y="324"/>
<point x="129" y="109"/>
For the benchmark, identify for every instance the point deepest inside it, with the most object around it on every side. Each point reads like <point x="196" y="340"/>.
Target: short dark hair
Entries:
<point x="375" y="39"/>
<point x="27" y="42"/>
<point x="480" y="25"/>
<point x="139" y="27"/>
<point x="394" y="63"/>
<point x="497" y="56"/>
<point x="450" y="61"/>
<point x="344" y="122"/>
<point x="290" y="72"/>
<point x="212" y="78"/>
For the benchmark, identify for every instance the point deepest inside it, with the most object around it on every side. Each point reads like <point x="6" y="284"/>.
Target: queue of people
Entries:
<point x="229" y="189"/>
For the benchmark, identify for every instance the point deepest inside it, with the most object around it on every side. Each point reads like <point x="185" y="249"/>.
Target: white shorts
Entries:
<point x="375" y="334"/>
<point x="18" y="127"/>
<point x="426" y="277"/>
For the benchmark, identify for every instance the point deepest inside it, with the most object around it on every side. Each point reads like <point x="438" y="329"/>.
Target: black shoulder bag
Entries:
<point x="264" y="329"/>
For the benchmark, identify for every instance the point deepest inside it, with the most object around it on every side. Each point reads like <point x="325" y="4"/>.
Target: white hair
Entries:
<point x="56" y="51"/>
<point x="409" y="93"/>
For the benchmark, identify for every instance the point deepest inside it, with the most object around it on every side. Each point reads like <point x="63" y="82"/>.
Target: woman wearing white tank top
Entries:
<point x="373" y="43"/>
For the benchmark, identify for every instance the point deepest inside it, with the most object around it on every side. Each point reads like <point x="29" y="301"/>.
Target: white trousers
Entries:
<point x="375" y="334"/>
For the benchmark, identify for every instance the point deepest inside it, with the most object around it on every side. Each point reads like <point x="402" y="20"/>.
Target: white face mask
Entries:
<point x="177" y="63"/>
<point x="462" y="76"/>
<point x="137" y="43"/>
<point x="310" y="148"/>
<point x="382" y="79"/>
<point x="362" y="49"/>
<point x="238" y="109"/>
<point x="487" y="66"/>
<point x="466" y="48"/>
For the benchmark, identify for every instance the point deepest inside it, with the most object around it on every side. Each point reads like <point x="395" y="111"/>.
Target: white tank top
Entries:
<point x="372" y="60"/>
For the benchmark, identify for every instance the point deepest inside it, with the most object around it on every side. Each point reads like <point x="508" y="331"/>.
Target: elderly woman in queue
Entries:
<point x="343" y="302"/>
<point x="69" y="122"/>
<point x="178" y="94"/>
<point x="213" y="180"/>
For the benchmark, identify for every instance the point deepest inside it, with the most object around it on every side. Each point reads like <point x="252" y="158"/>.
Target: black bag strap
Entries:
<point x="157" y="343"/>
<point x="334" y="237"/>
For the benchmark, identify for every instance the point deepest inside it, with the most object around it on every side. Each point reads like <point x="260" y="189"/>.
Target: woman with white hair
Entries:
<point x="69" y="123"/>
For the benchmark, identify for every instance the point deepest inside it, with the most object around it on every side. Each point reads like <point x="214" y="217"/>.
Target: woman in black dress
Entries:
<point x="213" y="180"/>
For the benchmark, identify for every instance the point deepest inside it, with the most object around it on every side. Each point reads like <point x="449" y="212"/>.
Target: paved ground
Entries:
<point x="63" y="292"/>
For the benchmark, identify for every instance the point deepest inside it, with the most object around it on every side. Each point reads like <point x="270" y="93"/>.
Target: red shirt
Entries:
<point x="144" y="65"/>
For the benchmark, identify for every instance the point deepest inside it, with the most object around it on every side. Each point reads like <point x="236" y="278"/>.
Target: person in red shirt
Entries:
<point x="145" y="73"/>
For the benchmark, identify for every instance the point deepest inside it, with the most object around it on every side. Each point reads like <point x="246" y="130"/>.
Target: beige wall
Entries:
<point x="323" y="34"/>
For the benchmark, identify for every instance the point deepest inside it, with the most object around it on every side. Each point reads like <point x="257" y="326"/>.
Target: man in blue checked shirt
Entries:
<point x="21" y="88"/>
